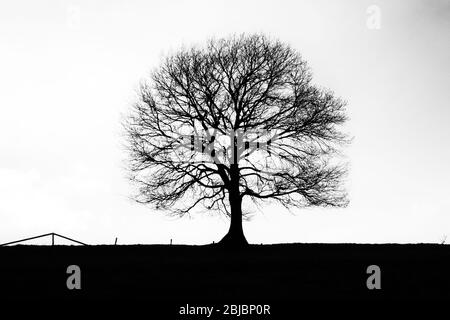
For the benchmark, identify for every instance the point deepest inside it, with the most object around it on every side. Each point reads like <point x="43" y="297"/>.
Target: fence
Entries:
<point x="42" y="236"/>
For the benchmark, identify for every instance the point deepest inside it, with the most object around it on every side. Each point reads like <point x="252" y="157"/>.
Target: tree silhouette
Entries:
<point x="235" y="120"/>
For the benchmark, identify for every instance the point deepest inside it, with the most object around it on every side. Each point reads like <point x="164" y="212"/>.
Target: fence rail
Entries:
<point x="52" y="234"/>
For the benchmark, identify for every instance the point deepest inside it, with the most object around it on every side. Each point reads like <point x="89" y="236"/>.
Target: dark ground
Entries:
<point x="259" y="274"/>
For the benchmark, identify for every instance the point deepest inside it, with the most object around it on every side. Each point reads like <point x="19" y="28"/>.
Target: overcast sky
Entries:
<point x="69" y="69"/>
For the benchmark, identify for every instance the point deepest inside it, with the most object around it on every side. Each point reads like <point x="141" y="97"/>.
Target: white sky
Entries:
<point x="68" y="69"/>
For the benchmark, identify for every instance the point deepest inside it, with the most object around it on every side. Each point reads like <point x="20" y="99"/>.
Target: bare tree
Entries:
<point x="237" y="119"/>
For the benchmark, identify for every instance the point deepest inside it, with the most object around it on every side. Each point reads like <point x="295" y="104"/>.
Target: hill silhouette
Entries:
<point x="283" y="272"/>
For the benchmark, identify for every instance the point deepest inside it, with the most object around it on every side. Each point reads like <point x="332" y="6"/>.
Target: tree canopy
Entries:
<point x="237" y="118"/>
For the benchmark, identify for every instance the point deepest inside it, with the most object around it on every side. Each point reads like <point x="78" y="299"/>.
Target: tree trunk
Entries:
<point x="235" y="236"/>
